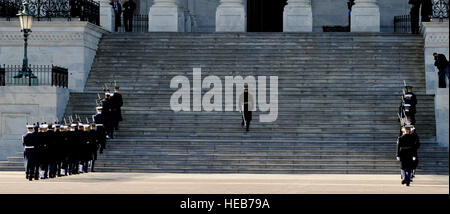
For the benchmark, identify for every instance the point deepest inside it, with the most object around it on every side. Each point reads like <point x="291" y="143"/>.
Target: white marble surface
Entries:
<point x="231" y="16"/>
<point x="68" y="44"/>
<point x="166" y="16"/>
<point x="365" y="16"/>
<point x="22" y="104"/>
<point x="297" y="16"/>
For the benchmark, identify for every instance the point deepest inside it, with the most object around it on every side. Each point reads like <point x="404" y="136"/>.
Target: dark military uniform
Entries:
<point x="29" y="154"/>
<point x="99" y="120"/>
<point x="93" y="147"/>
<point x="52" y="153"/>
<point x="108" y="117"/>
<point x="407" y="146"/>
<point x="246" y="104"/>
<point x="73" y="147"/>
<point x="65" y="152"/>
<point x="43" y="153"/>
<point x="116" y="112"/>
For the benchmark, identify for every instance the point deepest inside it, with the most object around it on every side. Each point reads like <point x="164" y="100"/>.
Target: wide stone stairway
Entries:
<point x="338" y="100"/>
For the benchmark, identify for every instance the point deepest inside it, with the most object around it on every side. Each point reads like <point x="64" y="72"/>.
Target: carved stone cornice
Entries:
<point x="53" y="34"/>
<point x="435" y="34"/>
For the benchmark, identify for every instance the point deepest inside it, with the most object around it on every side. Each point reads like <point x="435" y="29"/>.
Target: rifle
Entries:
<point x="106" y="87"/>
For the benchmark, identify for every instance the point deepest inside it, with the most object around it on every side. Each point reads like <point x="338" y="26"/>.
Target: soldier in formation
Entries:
<point x="246" y="107"/>
<point x="55" y="150"/>
<point x="408" y="141"/>
<point x="59" y="150"/>
<point x="111" y="110"/>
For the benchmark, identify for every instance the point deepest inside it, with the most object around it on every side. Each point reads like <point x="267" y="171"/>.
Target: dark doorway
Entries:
<point x="265" y="15"/>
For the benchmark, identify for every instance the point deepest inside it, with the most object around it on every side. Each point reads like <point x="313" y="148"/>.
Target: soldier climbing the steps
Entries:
<point x="246" y="104"/>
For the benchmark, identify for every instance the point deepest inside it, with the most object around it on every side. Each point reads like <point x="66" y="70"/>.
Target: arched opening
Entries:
<point x="265" y="15"/>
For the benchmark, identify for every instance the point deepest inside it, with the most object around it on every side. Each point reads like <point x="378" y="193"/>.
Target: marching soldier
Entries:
<point x="409" y="97"/>
<point x="99" y="121"/>
<point x="108" y="116"/>
<point x="43" y="153"/>
<point x="93" y="148"/>
<point x="407" y="146"/>
<point x="52" y="151"/>
<point x="79" y="148"/>
<point x="246" y="106"/>
<point x="86" y="142"/>
<point x="72" y="144"/>
<point x="116" y="104"/>
<point x="29" y="153"/>
<point x="63" y="152"/>
<point x="416" y="161"/>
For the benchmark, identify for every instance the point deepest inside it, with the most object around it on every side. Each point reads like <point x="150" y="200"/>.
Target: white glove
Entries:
<point x="398" y="158"/>
<point x="414" y="158"/>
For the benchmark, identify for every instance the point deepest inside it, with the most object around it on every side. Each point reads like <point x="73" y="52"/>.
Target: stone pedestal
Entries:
<point x="365" y="16"/>
<point x="106" y="15"/>
<point x="166" y="16"/>
<point x="22" y="104"/>
<point x="68" y="44"/>
<point x="230" y="16"/>
<point x="297" y="16"/>
<point x="435" y="35"/>
<point x="441" y="103"/>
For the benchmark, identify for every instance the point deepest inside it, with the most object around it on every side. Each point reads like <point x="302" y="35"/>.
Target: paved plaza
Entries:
<point x="146" y="183"/>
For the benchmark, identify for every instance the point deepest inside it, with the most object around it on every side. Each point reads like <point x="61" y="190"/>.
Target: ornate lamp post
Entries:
<point x="26" y="21"/>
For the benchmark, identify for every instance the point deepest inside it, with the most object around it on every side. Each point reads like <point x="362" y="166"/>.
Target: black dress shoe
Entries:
<point x="403" y="181"/>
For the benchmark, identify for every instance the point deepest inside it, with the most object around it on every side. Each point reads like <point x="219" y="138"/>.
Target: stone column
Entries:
<point x="297" y="16"/>
<point x="365" y="16"/>
<point x="106" y="15"/>
<point x="166" y="16"/>
<point x="231" y="16"/>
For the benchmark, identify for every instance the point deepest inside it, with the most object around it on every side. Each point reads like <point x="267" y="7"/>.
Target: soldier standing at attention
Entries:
<point x="29" y="153"/>
<point x="129" y="7"/>
<point x="246" y="107"/>
<point x="116" y="104"/>
<point x="415" y="9"/>
<point x="407" y="146"/>
<point x="117" y="7"/>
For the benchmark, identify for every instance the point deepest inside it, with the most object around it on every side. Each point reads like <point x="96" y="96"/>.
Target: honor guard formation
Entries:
<point x="408" y="141"/>
<point x="55" y="150"/>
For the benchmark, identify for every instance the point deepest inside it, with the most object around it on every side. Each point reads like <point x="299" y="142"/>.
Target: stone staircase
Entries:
<point x="338" y="99"/>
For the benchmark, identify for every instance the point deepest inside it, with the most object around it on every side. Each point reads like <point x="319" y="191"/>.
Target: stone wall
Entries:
<point x="436" y="41"/>
<point x="22" y="104"/>
<point x="68" y="44"/>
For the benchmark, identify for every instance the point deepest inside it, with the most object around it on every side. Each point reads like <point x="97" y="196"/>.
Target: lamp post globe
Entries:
<point x="26" y="22"/>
